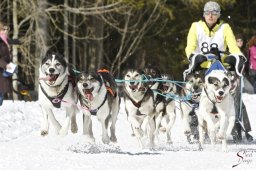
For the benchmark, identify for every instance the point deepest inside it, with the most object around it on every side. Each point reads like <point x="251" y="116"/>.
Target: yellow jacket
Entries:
<point x="228" y="36"/>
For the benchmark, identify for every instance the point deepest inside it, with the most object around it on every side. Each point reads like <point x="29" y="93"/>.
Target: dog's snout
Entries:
<point x="132" y="82"/>
<point x="196" y="88"/>
<point x="85" y="84"/>
<point x="51" y="70"/>
<point x="221" y="93"/>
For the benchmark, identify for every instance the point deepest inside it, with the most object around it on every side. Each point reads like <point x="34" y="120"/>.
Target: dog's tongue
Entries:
<point x="89" y="96"/>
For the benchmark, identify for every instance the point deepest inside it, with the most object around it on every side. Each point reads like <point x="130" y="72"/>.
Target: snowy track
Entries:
<point x="22" y="147"/>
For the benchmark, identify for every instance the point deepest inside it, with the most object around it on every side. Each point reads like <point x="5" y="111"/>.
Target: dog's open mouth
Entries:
<point x="52" y="78"/>
<point x="219" y="98"/>
<point x="165" y="88"/>
<point x="88" y="93"/>
<point x="133" y="87"/>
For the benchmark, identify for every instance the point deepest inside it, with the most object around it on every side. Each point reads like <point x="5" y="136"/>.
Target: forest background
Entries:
<point x="111" y="34"/>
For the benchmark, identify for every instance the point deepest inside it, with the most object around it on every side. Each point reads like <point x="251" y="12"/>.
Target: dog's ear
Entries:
<point x="212" y="80"/>
<point x="226" y="81"/>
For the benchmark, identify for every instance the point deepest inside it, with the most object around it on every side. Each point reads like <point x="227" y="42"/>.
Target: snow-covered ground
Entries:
<point x="22" y="147"/>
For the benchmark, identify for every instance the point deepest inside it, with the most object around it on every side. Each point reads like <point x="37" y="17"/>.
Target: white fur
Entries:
<point x="103" y="113"/>
<point x="53" y="90"/>
<point x="169" y="108"/>
<point x="136" y="91"/>
<point x="218" y="125"/>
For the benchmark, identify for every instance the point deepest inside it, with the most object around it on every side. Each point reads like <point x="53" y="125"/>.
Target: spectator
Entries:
<point x="5" y="59"/>
<point x="252" y="60"/>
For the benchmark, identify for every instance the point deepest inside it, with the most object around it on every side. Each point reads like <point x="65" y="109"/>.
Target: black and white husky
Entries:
<point x="98" y="96"/>
<point x="139" y="105"/>
<point x="56" y="90"/>
<point x="191" y="93"/>
<point x="216" y="110"/>
<point x="165" y="105"/>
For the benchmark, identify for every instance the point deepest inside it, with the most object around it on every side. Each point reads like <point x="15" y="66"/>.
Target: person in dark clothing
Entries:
<point x="5" y="59"/>
<point x="242" y="120"/>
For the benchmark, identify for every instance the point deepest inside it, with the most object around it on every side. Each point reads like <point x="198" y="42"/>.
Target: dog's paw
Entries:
<point x="44" y="132"/>
<point x="162" y="129"/>
<point x="89" y="139"/>
<point x="74" y="128"/>
<point x="113" y="139"/>
<point x="169" y="142"/>
<point x="63" y="132"/>
<point x="187" y="132"/>
<point x="106" y="140"/>
<point x="220" y="136"/>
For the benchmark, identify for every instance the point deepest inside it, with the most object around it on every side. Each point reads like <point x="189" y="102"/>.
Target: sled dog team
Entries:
<point x="147" y="103"/>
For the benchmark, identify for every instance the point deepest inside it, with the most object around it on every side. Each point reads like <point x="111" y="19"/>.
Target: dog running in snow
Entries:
<point x="98" y="96"/>
<point x="165" y="106"/>
<point x="216" y="110"/>
<point x="56" y="90"/>
<point x="139" y="105"/>
<point x="189" y="107"/>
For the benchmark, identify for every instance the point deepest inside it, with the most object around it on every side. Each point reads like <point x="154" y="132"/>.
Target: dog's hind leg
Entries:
<point x="113" y="125"/>
<point x="201" y="125"/>
<point x="87" y="129"/>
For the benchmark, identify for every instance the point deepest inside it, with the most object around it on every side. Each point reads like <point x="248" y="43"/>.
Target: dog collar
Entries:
<point x="214" y="109"/>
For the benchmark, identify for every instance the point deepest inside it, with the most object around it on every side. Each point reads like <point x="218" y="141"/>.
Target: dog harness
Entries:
<point x="56" y="101"/>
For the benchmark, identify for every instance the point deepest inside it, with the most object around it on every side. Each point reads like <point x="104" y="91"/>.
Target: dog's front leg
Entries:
<point x="136" y="126"/>
<point x="170" y="119"/>
<point x="45" y="123"/>
<point x="87" y="128"/>
<point x="158" y="122"/>
<point x="53" y="120"/>
<point x="185" y="118"/>
<point x="64" y="130"/>
<point x="223" y="122"/>
<point x="201" y="132"/>
<point x="74" y="128"/>
<point x="211" y="129"/>
<point x="152" y="128"/>
<point x="104" y="125"/>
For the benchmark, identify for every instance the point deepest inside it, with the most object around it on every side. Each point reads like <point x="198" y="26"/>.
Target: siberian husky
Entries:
<point x="56" y="90"/>
<point x="191" y="93"/>
<point x="165" y="106"/>
<point x="98" y="96"/>
<point x="216" y="110"/>
<point x="139" y="105"/>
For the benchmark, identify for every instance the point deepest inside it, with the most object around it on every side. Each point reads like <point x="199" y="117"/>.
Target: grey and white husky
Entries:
<point x="98" y="96"/>
<point x="56" y="90"/>
<point x="139" y="105"/>
<point x="191" y="93"/>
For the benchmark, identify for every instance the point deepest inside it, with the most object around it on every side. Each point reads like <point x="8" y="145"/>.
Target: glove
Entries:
<point x="197" y="60"/>
<point x="236" y="63"/>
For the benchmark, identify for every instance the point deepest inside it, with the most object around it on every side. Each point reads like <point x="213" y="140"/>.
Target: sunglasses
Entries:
<point x="211" y="12"/>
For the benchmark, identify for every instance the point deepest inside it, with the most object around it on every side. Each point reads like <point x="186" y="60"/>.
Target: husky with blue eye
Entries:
<point x="98" y="96"/>
<point x="56" y="90"/>
<point x="216" y="110"/>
